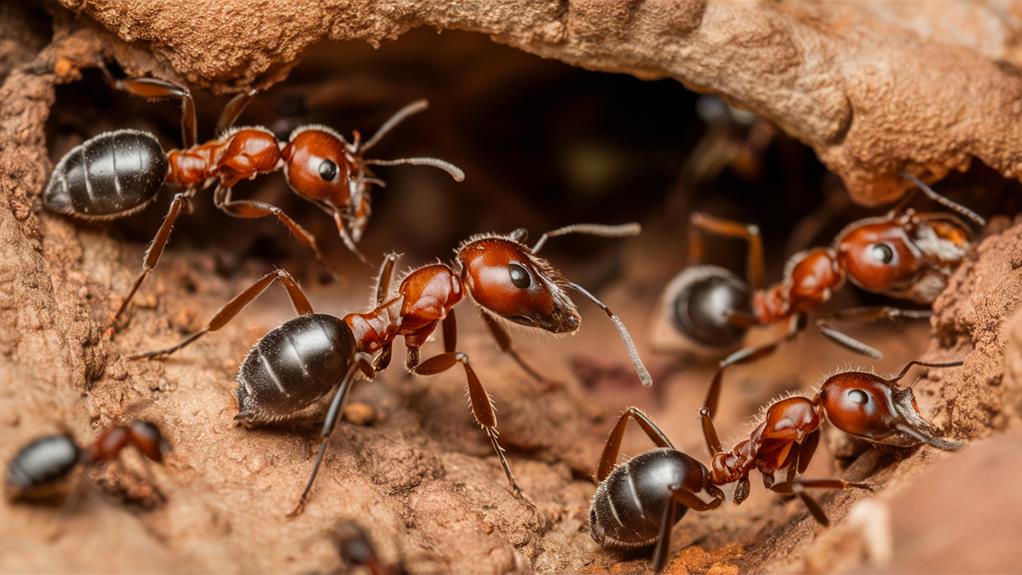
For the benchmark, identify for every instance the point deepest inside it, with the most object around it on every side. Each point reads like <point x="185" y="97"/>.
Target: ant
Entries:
<point x="302" y="360"/>
<point x="357" y="550"/>
<point x="39" y="470"/>
<point x="638" y="502"/>
<point x="116" y="174"/>
<point x="904" y="254"/>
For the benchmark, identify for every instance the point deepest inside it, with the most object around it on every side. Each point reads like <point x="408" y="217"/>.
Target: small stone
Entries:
<point x="359" y="413"/>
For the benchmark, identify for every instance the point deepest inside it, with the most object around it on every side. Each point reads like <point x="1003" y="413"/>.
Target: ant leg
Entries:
<point x="449" y="328"/>
<point x="152" y="88"/>
<point x="663" y="539"/>
<point x="74" y="497"/>
<point x="679" y="496"/>
<point x="252" y="209"/>
<point x="796" y="324"/>
<point x="806" y="452"/>
<point x="798" y="486"/>
<point x="329" y="424"/>
<point x="705" y="223"/>
<point x="342" y="230"/>
<point x="385" y="277"/>
<point x="503" y="339"/>
<point x="153" y="253"/>
<point x="236" y="304"/>
<point x="863" y="315"/>
<point x="709" y="432"/>
<point x="612" y="447"/>
<point x="232" y="110"/>
<point x="598" y="230"/>
<point x="482" y="405"/>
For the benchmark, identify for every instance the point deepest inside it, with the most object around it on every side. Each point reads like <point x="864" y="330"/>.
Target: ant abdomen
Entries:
<point x="629" y="504"/>
<point x="698" y="304"/>
<point x="292" y="366"/>
<point x="109" y="176"/>
<point x="39" y="469"/>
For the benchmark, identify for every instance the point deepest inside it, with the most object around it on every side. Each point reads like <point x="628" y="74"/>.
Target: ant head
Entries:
<point x="148" y="439"/>
<point x="873" y="408"/>
<point x="317" y="165"/>
<point x="879" y="255"/>
<point x="507" y="279"/>
<point x="699" y="302"/>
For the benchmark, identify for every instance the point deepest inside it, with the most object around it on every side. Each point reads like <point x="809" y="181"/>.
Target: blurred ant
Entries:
<point x="639" y="501"/>
<point x="356" y="550"/>
<point x="116" y="174"/>
<point x="38" y="472"/>
<point x="904" y="254"/>
<point x="303" y="359"/>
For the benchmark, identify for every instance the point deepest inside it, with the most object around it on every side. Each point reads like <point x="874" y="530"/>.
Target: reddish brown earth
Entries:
<point x="421" y="478"/>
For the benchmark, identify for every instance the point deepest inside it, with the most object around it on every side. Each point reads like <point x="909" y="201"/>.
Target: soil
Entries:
<point x="410" y="465"/>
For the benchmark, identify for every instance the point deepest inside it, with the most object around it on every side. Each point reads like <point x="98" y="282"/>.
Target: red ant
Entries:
<point x="303" y="359"/>
<point x="638" y="502"/>
<point x="116" y="174"/>
<point x="904" y="254"/>
<point x="39" y="470"/>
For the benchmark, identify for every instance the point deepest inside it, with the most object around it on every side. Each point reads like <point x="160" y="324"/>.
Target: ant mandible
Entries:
<point x="39" y="470"/>
<point x="302" y="360"/>
<point x="116" y="174"/>
<point x="904" y="254"/>
<point x="638" y="502"/>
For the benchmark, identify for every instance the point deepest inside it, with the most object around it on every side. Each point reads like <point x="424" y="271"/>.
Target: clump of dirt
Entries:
<point x="418" y="475"/>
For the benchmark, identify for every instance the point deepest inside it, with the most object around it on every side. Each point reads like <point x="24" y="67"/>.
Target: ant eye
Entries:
<point x="857" y="396"/>
<point x="327" y="170"/>
<point x="519" y="276"/>
<point x="882" y="253"/>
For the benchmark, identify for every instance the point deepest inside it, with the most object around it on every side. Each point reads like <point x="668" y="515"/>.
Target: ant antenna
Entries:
<point x="914" y="362"/>
<point x="455" y="172"/>
<point x="400" y="116"/>
<point x="633" y="353"/>
<point x="954" y="206"/>
<point x="599" y="230"/>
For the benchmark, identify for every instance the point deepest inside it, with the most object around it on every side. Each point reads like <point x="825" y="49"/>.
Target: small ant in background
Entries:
<point x="40" y="470"/>
<point x="303" y="359"/>
<point x="357" y="550"/>
<point x="904" y="254"/>
<point x="638" y="502"/>
<point x="116" y="174"/>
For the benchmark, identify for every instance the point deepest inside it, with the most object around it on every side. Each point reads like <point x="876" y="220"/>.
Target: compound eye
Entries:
<point x="858" y="397"/>
<point x="327" y="170"/>
<point x="520" y="277"/>
<point x="882" y="253"/>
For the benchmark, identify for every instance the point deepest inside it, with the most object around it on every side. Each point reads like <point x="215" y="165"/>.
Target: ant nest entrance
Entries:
<point x="543" y="145"/>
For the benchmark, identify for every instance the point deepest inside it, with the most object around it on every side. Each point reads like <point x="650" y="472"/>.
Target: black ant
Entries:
<point x="303" y="359"/>
<point x="116" y="174"/>
<point x="639" y="501"/>
<point x="904" y="254"/>
<point x="40" y="469"/>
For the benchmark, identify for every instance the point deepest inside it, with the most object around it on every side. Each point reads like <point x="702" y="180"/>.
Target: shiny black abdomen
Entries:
<point x="108" y="176"/>
<point x="705" y="294"/>
<point x="628" y="505"/>
<point x="41" y="464"/>
<point x="292" y="366"/>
